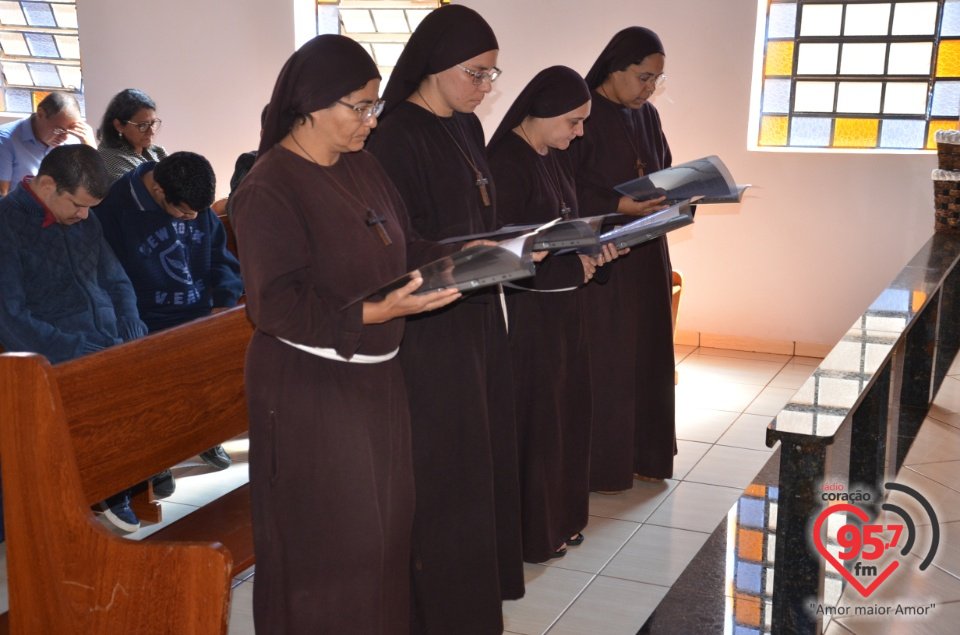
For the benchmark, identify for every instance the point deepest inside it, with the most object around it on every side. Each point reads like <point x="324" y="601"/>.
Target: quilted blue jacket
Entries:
<point x="63" y="292"/>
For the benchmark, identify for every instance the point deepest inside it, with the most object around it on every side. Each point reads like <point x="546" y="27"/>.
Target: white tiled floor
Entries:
<point x="637" y="542"/>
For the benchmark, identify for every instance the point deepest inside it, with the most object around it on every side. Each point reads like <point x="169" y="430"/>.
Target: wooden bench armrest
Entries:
<point x="226" y="520"/>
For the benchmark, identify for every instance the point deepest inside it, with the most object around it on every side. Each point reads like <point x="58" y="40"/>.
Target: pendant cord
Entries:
<point x="553" y="179"/>
<point x="633" y="146"/>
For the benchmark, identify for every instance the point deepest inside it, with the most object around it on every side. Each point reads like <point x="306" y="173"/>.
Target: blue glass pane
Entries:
<point x="899" y="133"/>
<point x="82" y="102"/>
<point x="38" y="14"/>
<point x="810" y="131"/>
<point x="783" y="20"/>
<point x="773" y="493"/>
<point x="776" y="96"/>
<point x="18" y="100"/>
<point x="892" y="300"/>
<point x="743" y="630"/>
<point x="946" y="99"/>
<point x="951" y="18"/>
<point x="41" y="45"/>
<point x="328" y="19"/>
<point x="748" y="577"/>
<point x="45" y="75"/>
<point x="751" y="512"/>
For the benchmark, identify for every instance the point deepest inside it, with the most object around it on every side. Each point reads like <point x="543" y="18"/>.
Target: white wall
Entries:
<point x="799" y="260"/>
<point x="820" y="236"/>
<point x="210" y="66"/>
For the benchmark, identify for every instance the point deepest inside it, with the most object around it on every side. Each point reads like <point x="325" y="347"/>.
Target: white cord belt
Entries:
<point x="329" y="353"/>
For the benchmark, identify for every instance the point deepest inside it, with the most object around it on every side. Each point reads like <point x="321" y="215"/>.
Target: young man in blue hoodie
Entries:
<point x="63" y="294"/>
<point x="157" y="219"/>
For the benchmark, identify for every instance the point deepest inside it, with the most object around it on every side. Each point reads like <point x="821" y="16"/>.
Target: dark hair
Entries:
<point x="263" y="115"/>
<point x="123" y="106"/>
<point x="186" y="177"/>
<point x="74" y="166"/>
<point x="57" y="101"/>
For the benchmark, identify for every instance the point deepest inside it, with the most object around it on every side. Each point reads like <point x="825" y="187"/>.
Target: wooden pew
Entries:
<point x="75" y="433"/>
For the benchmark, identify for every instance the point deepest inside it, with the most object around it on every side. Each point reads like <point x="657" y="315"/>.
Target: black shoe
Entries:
<point x="573" y="542"/>
<point x="163" y="484"/>
<point x="217" y="458"/>
<point x="559" y="553"/>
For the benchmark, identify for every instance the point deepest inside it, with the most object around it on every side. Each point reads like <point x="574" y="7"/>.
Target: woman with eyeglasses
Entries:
<point x="629" y="321"/>
<point x="320" y="226"/>
<point x="125" y="135"/>
<point x="456" y="360"/>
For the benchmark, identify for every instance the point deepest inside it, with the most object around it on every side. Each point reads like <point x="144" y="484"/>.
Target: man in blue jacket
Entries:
<point x="63" y="293"/>
<point x="157" y="219"/>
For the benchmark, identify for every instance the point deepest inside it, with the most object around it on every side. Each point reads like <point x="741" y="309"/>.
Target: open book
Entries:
<point x="650" y="226"/>
<point x="557" y="234"/>
<point x="468" y="269"/>
<point x="707" y="178"/>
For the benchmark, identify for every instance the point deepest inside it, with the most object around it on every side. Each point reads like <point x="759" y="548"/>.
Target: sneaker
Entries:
<point x="217" y="458"/>
<point x="117" y="510"/>
<point x="163" y="484"/>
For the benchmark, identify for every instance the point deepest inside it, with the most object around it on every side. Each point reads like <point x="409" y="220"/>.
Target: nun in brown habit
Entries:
<point x="548" y="339"/>
<point x="331" y="478"/>
<point x="466" y="534"/>
<point x="629" y="318"/>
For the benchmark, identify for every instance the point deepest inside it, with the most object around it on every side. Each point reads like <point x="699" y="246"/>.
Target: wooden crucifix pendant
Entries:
<point x="565" y="211"/>
<point x="375" y="221"/>
<point x="481" y="183"/>
<point x="638" y="166"/>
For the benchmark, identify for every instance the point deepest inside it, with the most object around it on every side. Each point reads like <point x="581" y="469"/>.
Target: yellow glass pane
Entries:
<point x="938" y="124"/>
<point x="750" y="545"/>
<point x="755" y="490"/>
<point x="746" y="609"/>
<point x="948" y="58"/>
<point x="38" y="96"/>
<point x="773" y="131"/>
<point x="779" y="58"/>
<point x="856" y="133"/>
<point x="919" y="297"/>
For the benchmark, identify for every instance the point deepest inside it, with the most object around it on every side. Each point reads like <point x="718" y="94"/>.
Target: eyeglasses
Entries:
<point x="60" y="131"/>
<point x="481" y="76"/>
<point x="143" y="126"/>
<point x="647" y="78"/>
<point x="368" y="111"/>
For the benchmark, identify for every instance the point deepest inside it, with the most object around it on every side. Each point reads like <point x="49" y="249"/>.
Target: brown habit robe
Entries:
<point x="631" y="338"/>
<point x="550" y="355"/>
<point x="330" y="469"/>
<point x="466" y="534"/>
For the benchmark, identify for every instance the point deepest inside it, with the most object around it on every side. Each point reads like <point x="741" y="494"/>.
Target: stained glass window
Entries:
<point x="751" y="547"/>
<point x="859" y="74"/>
<point x="381" y="26"/>
<point x="39" y="52"/>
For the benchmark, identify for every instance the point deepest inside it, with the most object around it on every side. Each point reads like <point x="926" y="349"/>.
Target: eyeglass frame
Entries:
<point x="143" y="126"/>
<point x="481" y="76"/>
<point x="658" y="79"/>
<point x="368" y="112"/>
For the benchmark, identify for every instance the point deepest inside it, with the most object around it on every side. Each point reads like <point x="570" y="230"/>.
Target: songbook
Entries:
<point x="557" y="234"/>
<point x="469" y="269"/>
<point x="649" y="227"/>
<point x="707" y="178"/>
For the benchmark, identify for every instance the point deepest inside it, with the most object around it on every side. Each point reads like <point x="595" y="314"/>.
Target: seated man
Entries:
<point x="24" y="143"/>
<point x="63" y="293"/>
<point x="157" y="219"/>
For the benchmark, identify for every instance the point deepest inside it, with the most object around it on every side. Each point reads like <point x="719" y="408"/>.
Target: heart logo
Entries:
<point x="862" y="515"/>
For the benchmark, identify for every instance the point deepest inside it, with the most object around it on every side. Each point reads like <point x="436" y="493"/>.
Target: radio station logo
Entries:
<point x="863" y="544"/>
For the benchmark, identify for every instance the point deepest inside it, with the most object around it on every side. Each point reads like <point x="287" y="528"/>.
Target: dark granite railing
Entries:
<point x="871" y="393"/>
